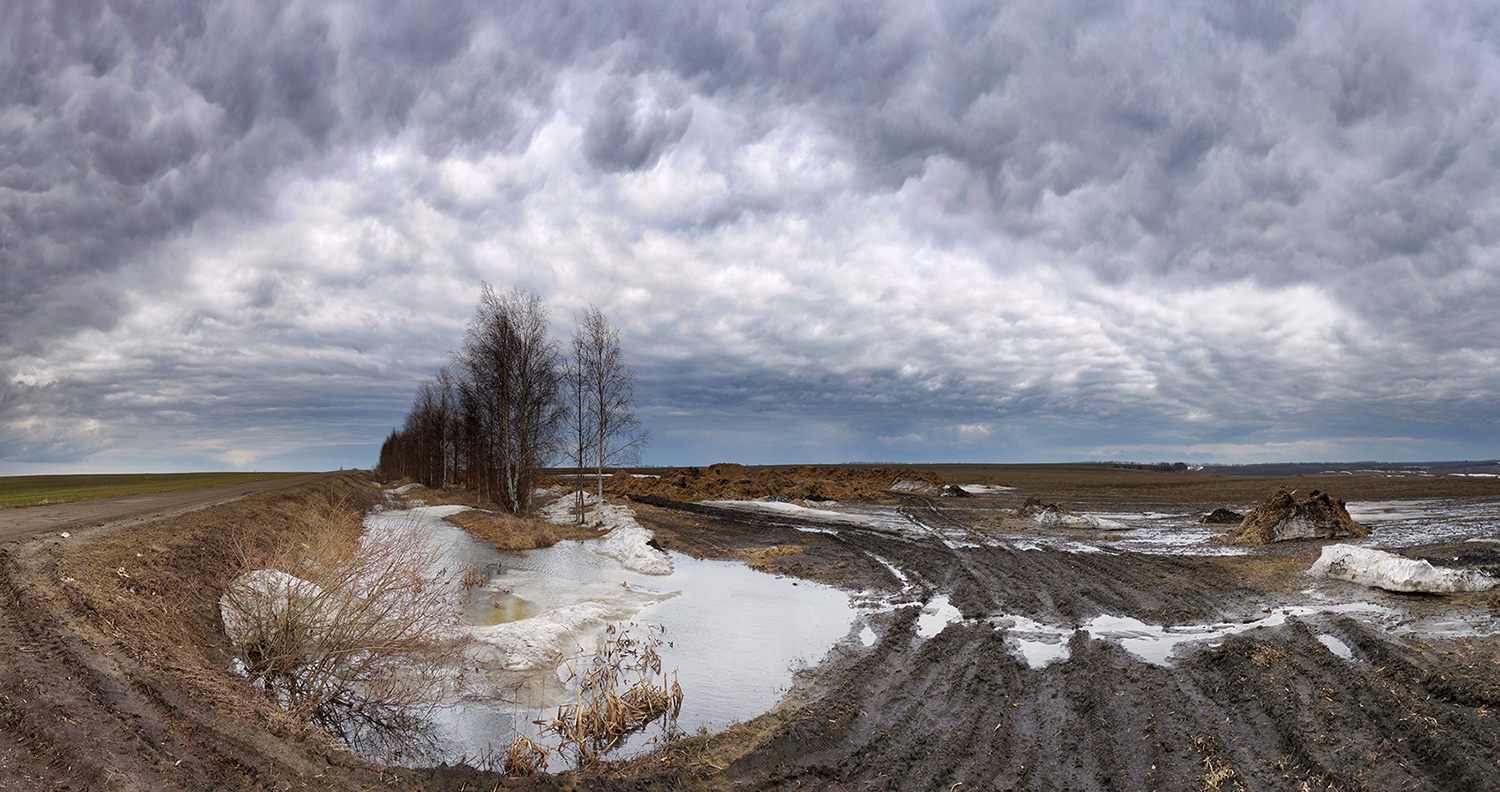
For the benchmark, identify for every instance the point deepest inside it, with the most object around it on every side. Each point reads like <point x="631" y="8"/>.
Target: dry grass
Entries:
<point x="524" y="758"/>
<point x="801" y="482"/>
<point x="153" y="590"/>
<point x="622" y="691"/>
<point x="511" y="533"/>
<point x="1260" y="525"/>
<point x="345" y="627"/>
<point x="761" y="557"/>
<point x="1268" y="655"/>
<point x="1216" y="772"/>
<point x="1272" y="571"/>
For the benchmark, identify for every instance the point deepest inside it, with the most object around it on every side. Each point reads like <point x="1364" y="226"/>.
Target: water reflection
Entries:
<point x="735" y="636"/>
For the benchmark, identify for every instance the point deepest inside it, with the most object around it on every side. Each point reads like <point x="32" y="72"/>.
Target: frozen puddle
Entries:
<point x="736" y="636"/>
<point x="793" y="510"/>
<point x="936" y="614"/>
<point x="1159" y="645"/>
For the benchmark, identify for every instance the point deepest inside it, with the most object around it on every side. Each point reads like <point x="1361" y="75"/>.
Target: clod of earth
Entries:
<point x="1223" y="516"/>
<point x="1284" y="517"/>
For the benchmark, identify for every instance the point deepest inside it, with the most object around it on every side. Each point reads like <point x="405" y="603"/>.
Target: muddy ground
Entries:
<point x="84" y="705"/>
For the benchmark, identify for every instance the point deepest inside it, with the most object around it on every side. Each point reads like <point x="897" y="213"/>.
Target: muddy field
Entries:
<point x="1273" y="708"/>
<point x="946" y="696"/>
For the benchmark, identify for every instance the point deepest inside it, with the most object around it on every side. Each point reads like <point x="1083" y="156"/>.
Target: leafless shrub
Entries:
<point x="622" y="691"/>
<point x="351" y="632"/>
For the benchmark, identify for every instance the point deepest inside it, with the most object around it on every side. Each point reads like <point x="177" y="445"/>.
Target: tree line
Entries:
<point x="511" y="401"/>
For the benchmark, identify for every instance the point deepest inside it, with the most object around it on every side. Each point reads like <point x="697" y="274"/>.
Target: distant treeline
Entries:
<point x="1160" y="467"/>
<point x="511" y="402"/>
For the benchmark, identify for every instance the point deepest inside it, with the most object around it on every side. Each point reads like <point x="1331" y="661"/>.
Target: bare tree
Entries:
<point x="614" y="435"/>
<point x="496" y="417"/>
<point x="576" y="394"/>
<point x="514" y="378"/>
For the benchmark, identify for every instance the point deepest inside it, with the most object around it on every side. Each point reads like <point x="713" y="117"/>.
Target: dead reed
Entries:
<point x="524" y="758"/>
<point x="622" y="691"/>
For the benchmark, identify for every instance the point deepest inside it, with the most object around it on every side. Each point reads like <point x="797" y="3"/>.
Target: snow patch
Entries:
<point x="543" y="641"/>
<point x="1379" y="569"/>
<point x="628" y="541"/>
<point x="403" y="489"/>
<point x="984" y="489"/>
<point x="263" y="596"/>
<point x="937" y="614"/>
<point x="1052" y="518"/>
<point x="792" y="509"/>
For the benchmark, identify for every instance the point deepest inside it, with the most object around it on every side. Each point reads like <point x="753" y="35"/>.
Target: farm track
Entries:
<point x="1272" y="709"/>
<point x="20" y="522"/>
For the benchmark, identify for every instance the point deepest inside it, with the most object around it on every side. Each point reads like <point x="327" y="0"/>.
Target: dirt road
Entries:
<point x="1274" y="708"/>
<point x="20" y="522"/>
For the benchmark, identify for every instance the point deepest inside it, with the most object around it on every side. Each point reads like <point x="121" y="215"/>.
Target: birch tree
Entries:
<point x="614" y="436"/>
<point x="512" y="372"/>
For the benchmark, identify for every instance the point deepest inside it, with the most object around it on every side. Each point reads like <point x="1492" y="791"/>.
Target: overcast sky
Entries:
<point x="237" y="235"/>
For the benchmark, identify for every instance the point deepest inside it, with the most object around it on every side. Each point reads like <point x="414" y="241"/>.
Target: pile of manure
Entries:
<point x="1285" y="517"/>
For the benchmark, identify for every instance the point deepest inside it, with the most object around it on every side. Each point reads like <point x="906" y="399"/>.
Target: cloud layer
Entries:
<point x="238" y="235"/>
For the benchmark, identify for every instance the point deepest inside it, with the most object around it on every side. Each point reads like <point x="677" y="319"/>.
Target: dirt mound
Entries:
<point x="1284" y="516"/>
<point x="1222" y="516"/>
<point x="727" y="481"/>
<point x="1035" y="508"/>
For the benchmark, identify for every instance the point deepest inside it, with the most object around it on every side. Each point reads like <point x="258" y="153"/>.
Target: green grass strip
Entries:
<point x="29" y="490"/>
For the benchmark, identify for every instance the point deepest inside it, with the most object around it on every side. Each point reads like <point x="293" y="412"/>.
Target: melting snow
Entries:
<point x="792" y="509"/>
<point x="1336" y="646"/>
<point x="627" y="541"/>
<point x="1380" y="569"/>
<point x="1056" y="519"/>
<point x="259" y="597"/>
<point x="937" y="614"/>
<point x="1040" y="644"/>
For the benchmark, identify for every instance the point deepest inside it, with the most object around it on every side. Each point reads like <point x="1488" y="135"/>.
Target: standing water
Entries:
<point x="734" y="635"/>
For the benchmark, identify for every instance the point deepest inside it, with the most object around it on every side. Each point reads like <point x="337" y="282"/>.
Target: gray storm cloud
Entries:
<point x="984" y="230"/>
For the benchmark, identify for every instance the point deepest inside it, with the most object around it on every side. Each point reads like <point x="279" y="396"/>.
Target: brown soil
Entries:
<point x="113" y="665"/>
<point x="114" y="668"/>
<point x="1326" y="517"/>
<point x="727" y="481"/>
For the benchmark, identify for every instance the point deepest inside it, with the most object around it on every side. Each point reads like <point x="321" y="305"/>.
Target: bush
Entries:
<point x="349" y="630"/>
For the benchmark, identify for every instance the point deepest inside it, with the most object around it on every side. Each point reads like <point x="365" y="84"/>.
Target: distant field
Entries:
<point x="29" y="490"/>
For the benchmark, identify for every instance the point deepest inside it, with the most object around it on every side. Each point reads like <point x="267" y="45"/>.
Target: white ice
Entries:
<point x="793" y="510"/>
<point x="984" y="489"/>
<point x="937" y="614"/>
<point x="627" y="541"/>
<point x="1379" y="569"/>
<point x="259" y="597"/>
<point x="1056" y="519"/>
